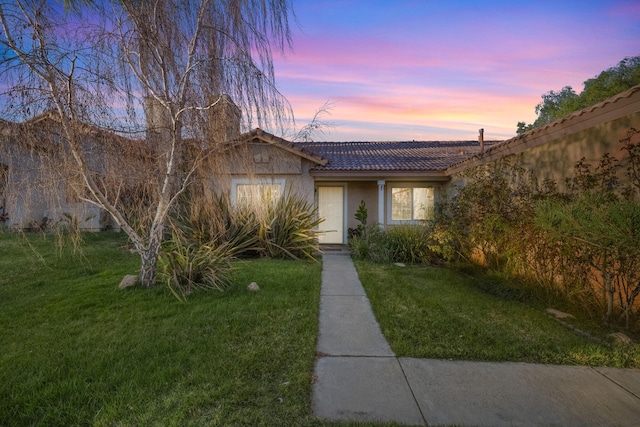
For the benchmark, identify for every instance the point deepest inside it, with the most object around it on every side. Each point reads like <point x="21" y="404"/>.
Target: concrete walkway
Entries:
<point x="358" y="377"/>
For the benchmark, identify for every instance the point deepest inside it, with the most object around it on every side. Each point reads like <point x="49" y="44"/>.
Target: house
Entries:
<point x="400" y="182"/>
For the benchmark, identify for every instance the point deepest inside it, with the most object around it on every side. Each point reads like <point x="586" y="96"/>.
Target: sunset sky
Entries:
<point x="441" y="70"/>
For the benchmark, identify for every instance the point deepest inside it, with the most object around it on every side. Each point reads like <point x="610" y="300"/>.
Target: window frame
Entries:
<point x="412" y="186"/>
<point x="261" y="181"/>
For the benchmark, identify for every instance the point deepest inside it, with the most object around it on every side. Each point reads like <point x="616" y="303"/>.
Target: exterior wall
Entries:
<point x="552" y="152"/>
<point x="356" y="192"/>
<point x="36" y="194"/>
<point x="43" y="182"/>
<point x="367" y="191"/>
<point x="362" y="191"/>
<point x="262" y="162"/>
<point x="556" y="158"/>
<point x="23" y="196"/>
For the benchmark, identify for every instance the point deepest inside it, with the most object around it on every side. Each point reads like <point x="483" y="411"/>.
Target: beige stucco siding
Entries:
<point x="36" y="190"/>
<point x="552" y="152"/>
<point x="262" y="162"/>
<point x="357" y="192"/>
<point x="556" y="159"/>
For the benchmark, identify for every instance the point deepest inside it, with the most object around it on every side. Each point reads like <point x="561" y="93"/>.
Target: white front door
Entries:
<point x="331" y="208"/>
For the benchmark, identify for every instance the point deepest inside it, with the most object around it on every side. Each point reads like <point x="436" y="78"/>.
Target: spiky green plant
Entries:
<point x="202" y="247"/>
<point x="289" y="228"/>
<point x="371" y="245"/>
<point x="186" y="266"/>
<point x="410" y="243"/>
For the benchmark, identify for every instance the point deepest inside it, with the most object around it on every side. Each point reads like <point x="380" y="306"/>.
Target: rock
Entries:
<point x="559" y="314"/>
<point x="128" y="281"/>
<point x="253" y="287"/>
<point x="620" y="338"/>
<point x="399" y="264"/>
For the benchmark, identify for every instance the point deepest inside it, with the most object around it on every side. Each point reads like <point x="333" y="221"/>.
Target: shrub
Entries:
<point x="288" y="228"/>
<point x="361" y="215"/>
<point x="372" y="244"/>
<point x="582" y="246"/>
<point x="408" y="243"/>
<point x="218" y="221"/>
<point x="483" y="221"/>
<point x="603" y="235"/>
<point x="186" y="265"/>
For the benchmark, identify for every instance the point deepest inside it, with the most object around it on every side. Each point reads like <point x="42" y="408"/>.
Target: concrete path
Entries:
<point x="359" y="378"/>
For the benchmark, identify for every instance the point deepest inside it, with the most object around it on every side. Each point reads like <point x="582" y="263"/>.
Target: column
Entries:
<point x="381" y="203"/>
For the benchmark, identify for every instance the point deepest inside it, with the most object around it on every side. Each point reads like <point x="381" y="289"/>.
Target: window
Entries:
<point x="411" y="203"/>
<point x="257" y="193"/>
<point x="246" y="192"/>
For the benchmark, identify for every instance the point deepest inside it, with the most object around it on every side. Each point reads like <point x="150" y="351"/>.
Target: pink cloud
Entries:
<point x="431" y="67"/>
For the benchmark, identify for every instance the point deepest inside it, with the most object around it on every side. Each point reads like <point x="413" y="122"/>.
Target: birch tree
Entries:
<point x="148" y="71"/>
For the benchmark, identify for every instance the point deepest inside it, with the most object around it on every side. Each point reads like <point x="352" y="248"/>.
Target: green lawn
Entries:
<point x="428" y="312"/>
<point x="75" y="350"/>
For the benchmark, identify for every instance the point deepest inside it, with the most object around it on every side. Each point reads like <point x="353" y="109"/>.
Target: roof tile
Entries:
<point x="392" y="156"/>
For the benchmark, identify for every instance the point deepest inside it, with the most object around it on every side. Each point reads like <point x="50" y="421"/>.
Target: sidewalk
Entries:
<point x="358" y="377"/>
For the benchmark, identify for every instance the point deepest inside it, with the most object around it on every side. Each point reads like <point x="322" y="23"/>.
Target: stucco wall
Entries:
<point x="262" y="162"/>
<point x="557" y="158"/>
<point x="357" y="192"/>
<point x="264" y="159"/>
<point x="26" y="186"/>
<point x="38" y="186"/>
<point x="552" y="152"/>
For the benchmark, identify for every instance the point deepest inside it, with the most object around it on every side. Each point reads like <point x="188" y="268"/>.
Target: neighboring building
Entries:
<point x="41" y="188"/>
<point x="400" y="182"/>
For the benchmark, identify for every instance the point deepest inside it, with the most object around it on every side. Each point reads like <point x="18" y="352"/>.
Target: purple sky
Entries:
<point x="441" y="70"/>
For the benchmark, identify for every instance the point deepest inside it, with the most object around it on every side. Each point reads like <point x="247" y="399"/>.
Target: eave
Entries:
<point x="342" y="175"/>
<point x="258" y="135"/>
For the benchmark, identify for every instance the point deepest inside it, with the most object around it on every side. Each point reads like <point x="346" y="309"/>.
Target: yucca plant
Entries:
<point x="236" y="225"/>
<point x="289" y="228"/>
<point x="200" y="250"/>
<point x="186" y="266"/>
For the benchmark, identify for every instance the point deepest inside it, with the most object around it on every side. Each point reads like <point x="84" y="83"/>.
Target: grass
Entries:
<point x="428" y="312"/>
<point x="78" y="351"/>
<point x="75" y="350"/>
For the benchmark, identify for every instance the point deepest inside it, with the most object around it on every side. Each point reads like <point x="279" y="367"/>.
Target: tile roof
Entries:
<point x="392" y="156"/>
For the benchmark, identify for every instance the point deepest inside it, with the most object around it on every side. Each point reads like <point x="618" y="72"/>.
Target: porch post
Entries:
<point x="381" y="203"/>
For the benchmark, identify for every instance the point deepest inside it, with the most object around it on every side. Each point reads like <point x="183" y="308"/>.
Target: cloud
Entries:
<point x="435" y="67"/>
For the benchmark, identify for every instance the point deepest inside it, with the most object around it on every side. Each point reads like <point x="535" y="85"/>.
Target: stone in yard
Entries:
<point x="253" y="286"/>
<point x="128" y="281"/>
<point x="399" y="264"/>
<point x="559" y="314"/>
<point x="620" y="338"/>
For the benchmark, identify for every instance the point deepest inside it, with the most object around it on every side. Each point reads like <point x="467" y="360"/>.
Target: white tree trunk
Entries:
<point x="149" y="260"/>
